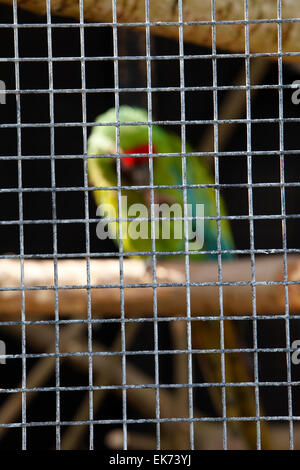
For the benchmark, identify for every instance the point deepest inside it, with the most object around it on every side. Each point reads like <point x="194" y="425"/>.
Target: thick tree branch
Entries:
<point x="105" y="287"/>
<point x="263" y="36"/>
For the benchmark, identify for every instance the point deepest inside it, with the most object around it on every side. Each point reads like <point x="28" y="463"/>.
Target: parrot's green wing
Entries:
<point x="168" y="171"/>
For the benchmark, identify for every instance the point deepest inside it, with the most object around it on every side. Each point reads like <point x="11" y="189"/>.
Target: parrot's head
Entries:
<point x="134" y="139"/>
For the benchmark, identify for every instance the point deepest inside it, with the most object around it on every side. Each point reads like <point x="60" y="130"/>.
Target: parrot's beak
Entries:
<point x="159" y="199"/>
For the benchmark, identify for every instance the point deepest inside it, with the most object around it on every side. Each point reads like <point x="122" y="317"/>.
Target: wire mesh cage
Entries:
<point x="111" y="343"/>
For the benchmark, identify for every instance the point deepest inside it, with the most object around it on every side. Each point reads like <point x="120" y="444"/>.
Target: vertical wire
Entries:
<point x="87" y="227"/>
<point x="186" y="227"/>
<point x="152" y="201"/>
<point x="54" y="217"/>
<point x="21" y="219"/>
<point x="283" y="223"/>
<point x="218" y="211"/>
<point x="251" y="223"/>
<point x="121" y="257"/>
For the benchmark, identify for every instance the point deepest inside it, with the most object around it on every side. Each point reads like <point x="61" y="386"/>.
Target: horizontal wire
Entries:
<point x="74" y="24"/>
<point x="257" y="217"/>
<point x="147" y="285"/>
<point x="149" y="420"/>
<point x="292" y="184"/>
<point x="166" y="319"/>
<point x="149" y="352"/>
<point x="164" y="89"/>
<point x="227" y="55"/>
<point x="194" y="122"/>
<point x="149" y="386"/>
<point x="239" y="153"/>
<point x="115" y="254"/>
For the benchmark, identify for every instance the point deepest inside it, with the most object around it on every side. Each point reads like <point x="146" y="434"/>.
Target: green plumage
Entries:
<point x="167" y="171"/>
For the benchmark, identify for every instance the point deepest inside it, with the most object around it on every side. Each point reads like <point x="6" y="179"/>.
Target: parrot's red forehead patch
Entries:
<point x="132" y="161"/>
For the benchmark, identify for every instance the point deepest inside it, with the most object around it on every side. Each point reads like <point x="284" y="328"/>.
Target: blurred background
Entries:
<point x="38" y="237"/>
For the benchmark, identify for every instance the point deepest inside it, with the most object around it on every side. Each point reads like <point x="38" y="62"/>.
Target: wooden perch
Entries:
<point x="263" y="36"/>
<point x="72" y="291"/>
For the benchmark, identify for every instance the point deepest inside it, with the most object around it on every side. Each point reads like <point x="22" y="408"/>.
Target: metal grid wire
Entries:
<point x="53" y="157"/>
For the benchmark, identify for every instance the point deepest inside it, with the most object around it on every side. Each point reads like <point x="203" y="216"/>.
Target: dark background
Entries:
<point x="69" y="173"/>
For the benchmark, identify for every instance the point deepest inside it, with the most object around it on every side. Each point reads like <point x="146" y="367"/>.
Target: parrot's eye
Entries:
<point x="133" y="161"/>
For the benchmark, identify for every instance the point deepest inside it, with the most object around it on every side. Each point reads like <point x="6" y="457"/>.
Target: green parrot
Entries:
<point x="135" y="197"/>
<point x="167" y="171"/>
